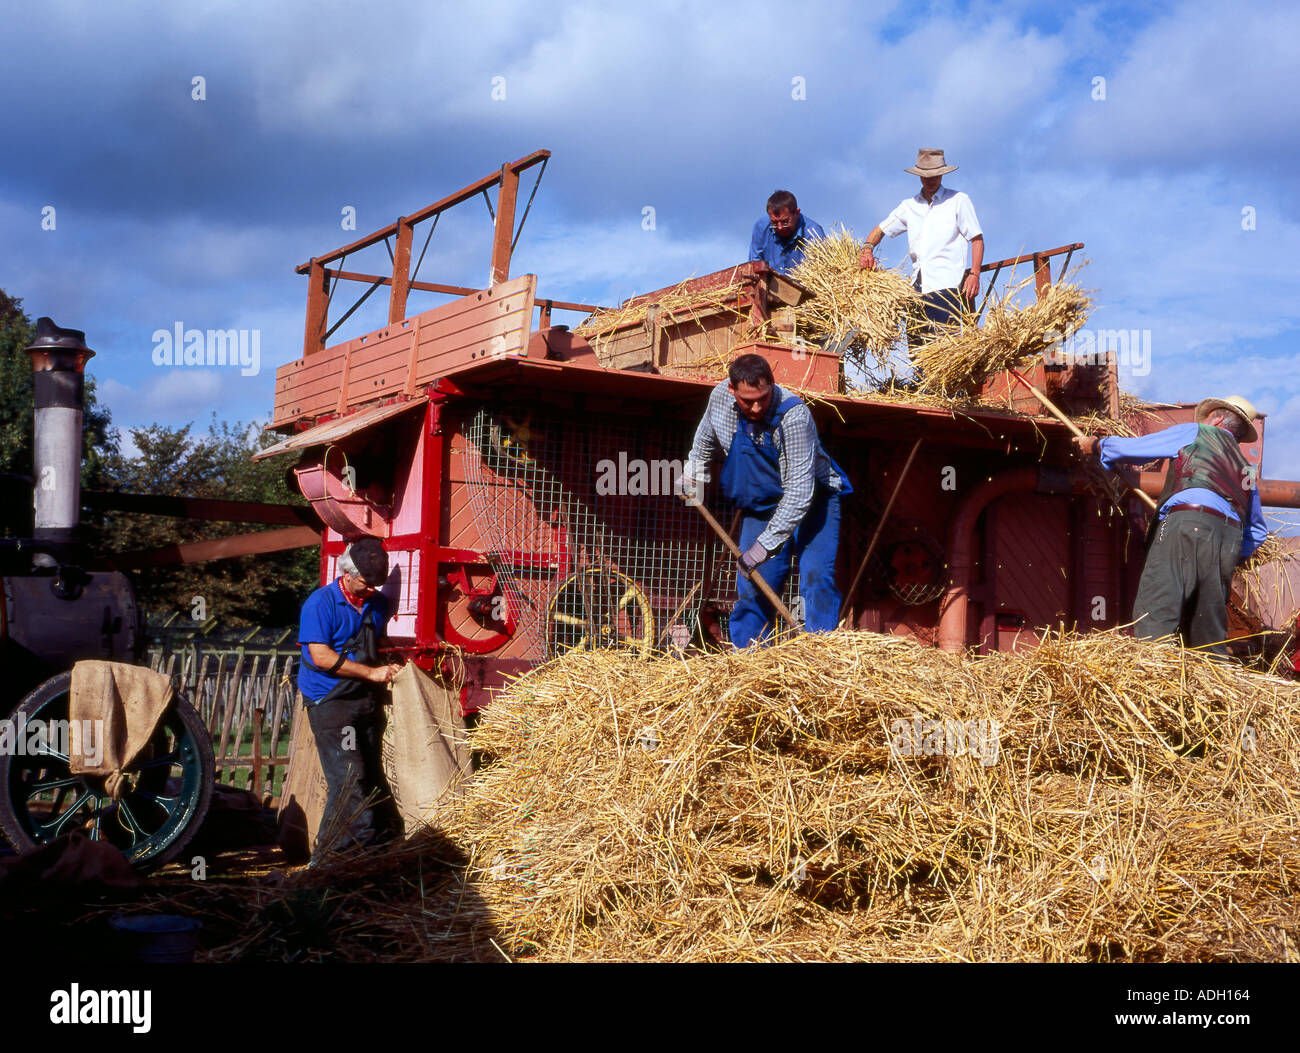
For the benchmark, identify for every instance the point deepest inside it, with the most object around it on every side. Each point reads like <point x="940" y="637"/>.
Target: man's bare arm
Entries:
<point x="867" y="260"/>
<point x="971" y="286"/>
<point x="325" y="656"/>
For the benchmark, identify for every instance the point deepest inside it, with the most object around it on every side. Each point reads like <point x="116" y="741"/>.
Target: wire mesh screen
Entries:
<point x="589" y="542"/>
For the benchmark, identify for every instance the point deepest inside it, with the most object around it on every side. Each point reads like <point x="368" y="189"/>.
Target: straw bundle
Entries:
<point x="1266" y="589"/>
<point x="847" y="298"/>
<point x="1273" y="549"/>
<point x="963" y="356"/>
<point x="1123" y="801"/>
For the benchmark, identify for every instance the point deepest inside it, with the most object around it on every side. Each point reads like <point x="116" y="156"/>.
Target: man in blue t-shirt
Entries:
<point x="340" y="631"/>
<point x="779" y="240"/>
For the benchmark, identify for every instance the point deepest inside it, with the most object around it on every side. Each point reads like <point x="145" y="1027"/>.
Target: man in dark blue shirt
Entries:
<point x="779" y="240"/>
<point x="341" y="626"/>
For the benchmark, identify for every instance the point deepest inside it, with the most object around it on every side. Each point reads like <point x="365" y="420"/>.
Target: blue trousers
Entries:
<point x="815" y="542"/>
<point x="937" y="309"/>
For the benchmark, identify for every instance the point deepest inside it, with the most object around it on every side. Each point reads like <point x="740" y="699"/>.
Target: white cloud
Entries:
<point x="1202" y="83"/>
<point x="688" y="109"/>
<point x="616" y="262"/>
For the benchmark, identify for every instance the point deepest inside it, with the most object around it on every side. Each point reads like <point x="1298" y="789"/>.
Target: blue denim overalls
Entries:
<point x="751" y="478"/>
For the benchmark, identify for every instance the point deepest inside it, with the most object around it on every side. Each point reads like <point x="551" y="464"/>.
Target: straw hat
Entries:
<point x="930" y="163"/>
<point x="1233" y="404"/>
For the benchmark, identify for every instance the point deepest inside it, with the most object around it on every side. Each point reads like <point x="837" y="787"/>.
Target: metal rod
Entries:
<point x="1051" y="408"/>
<point x="988" y="291"/>
<point x="351" y="310"/>
<point x="672" y="619"/>
<point x="705" y="583"/>
<point x="464" y="194"/>
<point x="540" y="172"/>
<point x="880" y="525"/>
<point x="427" y="238"/>
<point x="758" y="581"/>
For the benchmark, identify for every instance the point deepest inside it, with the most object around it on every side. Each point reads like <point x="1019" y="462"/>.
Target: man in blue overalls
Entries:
<point x="340" y="629"/>
<point x="777" y="473"/>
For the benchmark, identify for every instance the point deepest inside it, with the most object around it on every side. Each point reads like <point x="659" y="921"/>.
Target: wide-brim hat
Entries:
<point x="930" y="163"/>
<point x="1233" y="404"/>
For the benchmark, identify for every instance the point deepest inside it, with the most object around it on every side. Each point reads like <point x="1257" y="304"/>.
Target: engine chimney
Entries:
<point x="58" y="361"/>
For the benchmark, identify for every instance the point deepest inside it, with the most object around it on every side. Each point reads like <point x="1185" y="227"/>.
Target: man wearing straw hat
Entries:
<point x="1210" y="491"/>
<point x="789" y="489"/>
<point x="341" y="626"/>
<point x="779" y="240"/>
<point x="939" y="222"/>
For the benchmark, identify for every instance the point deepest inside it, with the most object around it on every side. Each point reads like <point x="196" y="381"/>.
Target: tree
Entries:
<point x="264" y="589"/>
<point x="251" y="589"/>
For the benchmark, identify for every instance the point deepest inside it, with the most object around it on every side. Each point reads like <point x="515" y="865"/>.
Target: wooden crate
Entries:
<point x="686" y="339"/>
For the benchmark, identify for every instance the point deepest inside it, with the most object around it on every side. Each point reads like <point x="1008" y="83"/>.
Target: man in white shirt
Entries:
<point x="939" y="222"/>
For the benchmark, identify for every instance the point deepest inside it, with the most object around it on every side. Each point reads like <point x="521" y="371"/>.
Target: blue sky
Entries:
<point x="170" y="209"/>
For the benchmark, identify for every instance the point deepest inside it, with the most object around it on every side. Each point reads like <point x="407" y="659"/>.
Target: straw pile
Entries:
<point x="964" y="356"/>
<point x="1094" y="799"/>
<point x="846" y="298"/>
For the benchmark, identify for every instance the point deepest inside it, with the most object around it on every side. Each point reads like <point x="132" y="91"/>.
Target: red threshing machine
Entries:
<point x="522" y="482"/>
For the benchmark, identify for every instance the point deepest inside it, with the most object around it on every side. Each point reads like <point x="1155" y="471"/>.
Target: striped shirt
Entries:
<point x="803" y="462"/>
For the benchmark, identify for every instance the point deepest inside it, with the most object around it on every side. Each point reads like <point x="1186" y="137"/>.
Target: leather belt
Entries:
<point x="1199" y="508"/>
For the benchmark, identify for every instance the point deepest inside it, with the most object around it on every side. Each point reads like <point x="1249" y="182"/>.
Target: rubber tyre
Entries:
<point x="180" y="725"/>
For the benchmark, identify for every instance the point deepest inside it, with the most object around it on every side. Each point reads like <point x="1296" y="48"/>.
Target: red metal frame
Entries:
<point x="1000" y="455"/>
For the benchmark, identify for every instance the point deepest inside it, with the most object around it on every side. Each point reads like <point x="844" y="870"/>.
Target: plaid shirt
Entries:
<point x="803" y="462"/>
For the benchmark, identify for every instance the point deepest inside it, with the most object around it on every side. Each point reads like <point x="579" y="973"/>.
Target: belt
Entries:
<point x="1200" y="508"/>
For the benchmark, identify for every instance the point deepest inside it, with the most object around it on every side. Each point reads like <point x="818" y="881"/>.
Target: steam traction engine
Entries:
<point x="61" y="604"/>
<point x="520" y="477"/>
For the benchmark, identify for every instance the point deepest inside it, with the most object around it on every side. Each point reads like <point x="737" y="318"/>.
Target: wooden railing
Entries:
<point x="245" y="695"/>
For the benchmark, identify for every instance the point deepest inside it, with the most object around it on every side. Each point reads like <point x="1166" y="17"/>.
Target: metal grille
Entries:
<point x="582" y="527"/>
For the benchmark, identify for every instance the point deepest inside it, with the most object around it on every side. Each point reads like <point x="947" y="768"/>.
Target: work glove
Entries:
<point x="689" y="489"/>
<point x="752" y="557"/>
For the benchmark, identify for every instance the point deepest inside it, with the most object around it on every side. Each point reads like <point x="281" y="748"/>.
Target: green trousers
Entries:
<point x="1187" y="580"/>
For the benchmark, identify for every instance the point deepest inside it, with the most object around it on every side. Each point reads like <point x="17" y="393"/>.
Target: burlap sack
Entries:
<point x="119" y="706"/>
<point x="302" y="797"/>
<point x="425" y="752"/>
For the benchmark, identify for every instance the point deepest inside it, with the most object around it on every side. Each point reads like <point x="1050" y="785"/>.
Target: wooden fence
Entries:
<point x="246" y="698"/>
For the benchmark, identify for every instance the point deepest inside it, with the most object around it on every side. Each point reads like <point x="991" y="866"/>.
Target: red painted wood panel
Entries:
<point x="493" y="323"/>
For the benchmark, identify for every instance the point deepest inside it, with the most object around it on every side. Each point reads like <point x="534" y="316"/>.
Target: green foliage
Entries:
<point x="265" y="590"/>
<point x="247" y="590"/>
<point x="16" y="332"/>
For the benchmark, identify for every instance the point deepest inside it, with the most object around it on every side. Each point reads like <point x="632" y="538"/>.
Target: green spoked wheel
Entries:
<point x="159" y="806"/>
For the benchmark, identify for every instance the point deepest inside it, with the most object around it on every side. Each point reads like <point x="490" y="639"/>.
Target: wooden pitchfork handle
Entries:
<point x="1047" y="403"/>
<point x="757" y="579"/>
